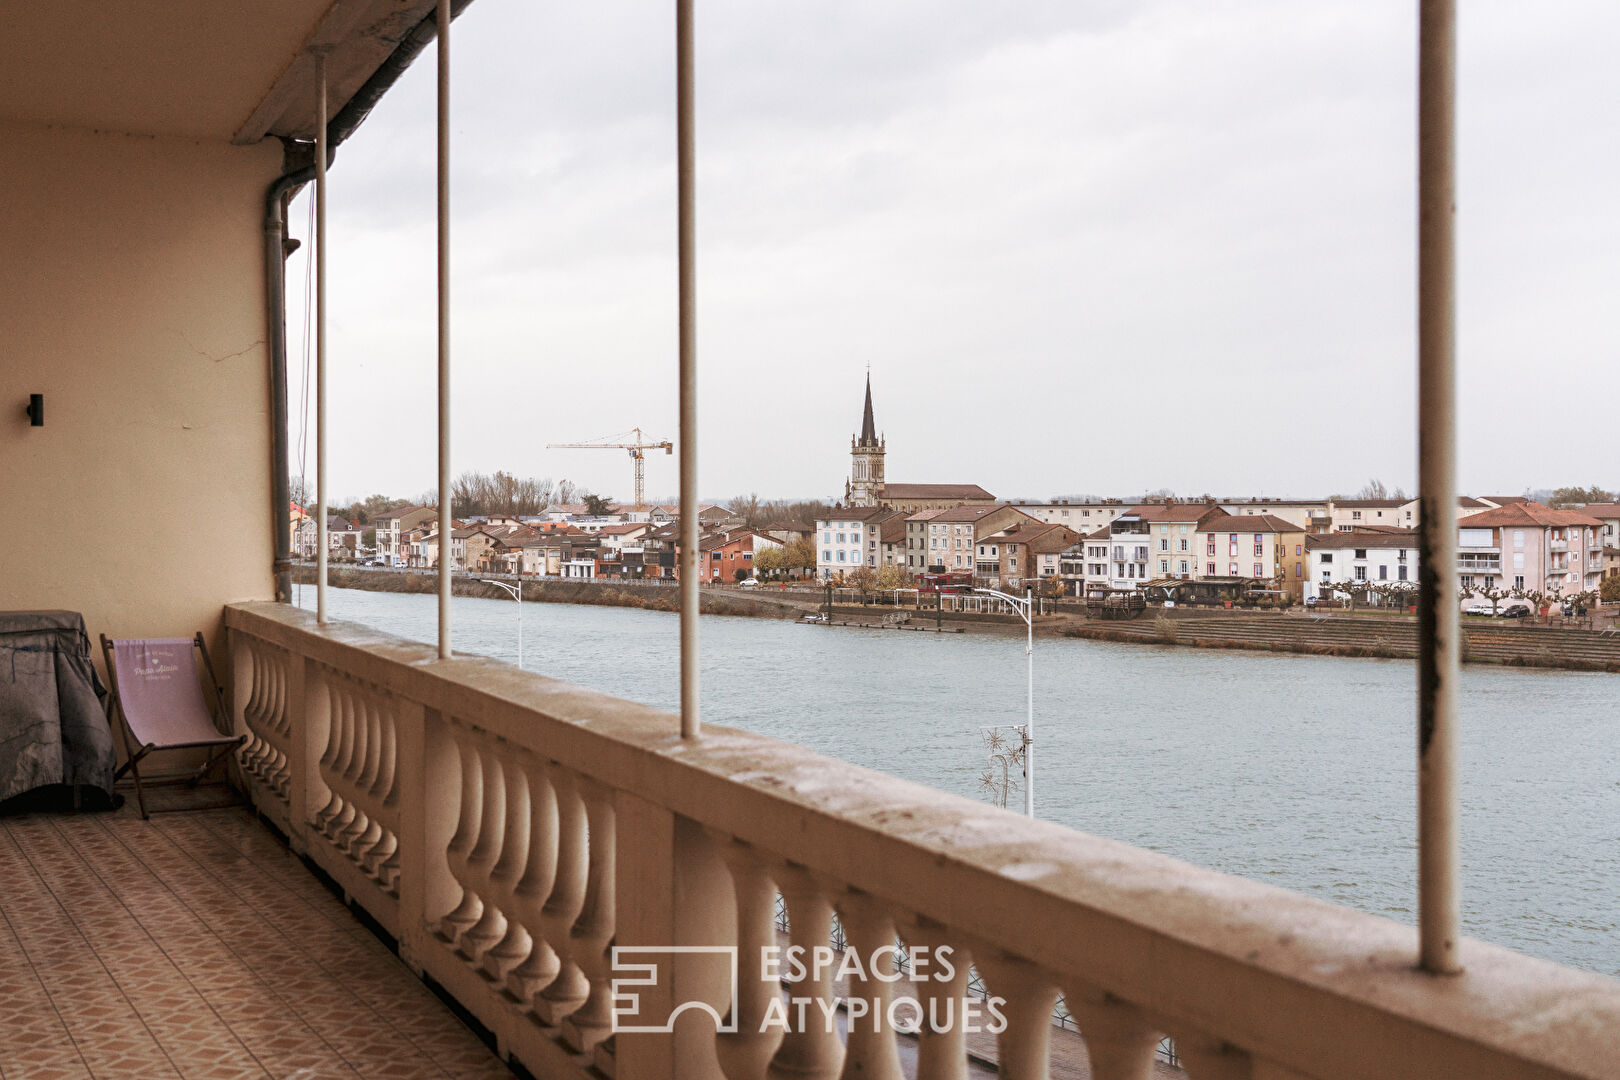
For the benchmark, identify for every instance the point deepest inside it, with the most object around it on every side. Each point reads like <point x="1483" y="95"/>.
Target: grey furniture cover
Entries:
<point x="53" y="729"/>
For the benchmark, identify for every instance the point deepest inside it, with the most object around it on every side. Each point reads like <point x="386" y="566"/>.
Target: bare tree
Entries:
<point x="1373" y="489"/>
<point x="746" y="507"/>
<point x="564" y="493"/>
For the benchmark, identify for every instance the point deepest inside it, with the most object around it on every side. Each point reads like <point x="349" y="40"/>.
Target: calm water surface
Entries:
<point x="1297" y="770"/>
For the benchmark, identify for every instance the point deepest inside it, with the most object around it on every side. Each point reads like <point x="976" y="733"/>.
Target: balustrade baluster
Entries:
<point x="539" y="872"/>
<point x="356" y="726"/>
<point x="384" y="797"/>
<point x="1028" y="994"/>
<point x="470" y="908"/>
<point x="491" y="925"/>
<point x="746" y="1053"/>
<point x="340" y="811"/>
<point x="593" y="930"/>
<point x="810" y="1050"/>
<point x="281" y="724"/>
<point x="942" y="1033"/>
<point x="514" y="945"/>
<point x="869" y="933"/>
<point x="251" y="751"/>
<point x="567" y="991"/>
<point x="1120" y="1040"/>
<point x="364" y="828"/>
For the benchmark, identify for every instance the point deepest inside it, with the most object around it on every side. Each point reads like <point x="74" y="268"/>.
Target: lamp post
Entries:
<point x="1026" y="609"/>
<point x="516" y="592"/>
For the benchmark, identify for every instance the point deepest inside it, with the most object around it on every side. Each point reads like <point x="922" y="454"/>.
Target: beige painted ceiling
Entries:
<point x="206" y="69"/>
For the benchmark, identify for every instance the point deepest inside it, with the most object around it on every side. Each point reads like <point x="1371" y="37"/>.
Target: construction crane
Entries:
<point x="638" y="450"/>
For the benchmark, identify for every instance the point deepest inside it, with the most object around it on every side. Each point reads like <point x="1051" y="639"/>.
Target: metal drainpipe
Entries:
<point x="276" y="199"/>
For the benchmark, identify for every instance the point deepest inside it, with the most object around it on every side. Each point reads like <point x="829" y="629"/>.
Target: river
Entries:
<point x="1295" y="770"/>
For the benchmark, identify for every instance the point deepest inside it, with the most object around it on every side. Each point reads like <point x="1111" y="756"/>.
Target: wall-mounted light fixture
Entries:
<point x="36" y="410"/>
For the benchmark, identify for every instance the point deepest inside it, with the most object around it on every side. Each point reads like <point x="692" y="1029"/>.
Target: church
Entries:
<point x="866" y="485"/>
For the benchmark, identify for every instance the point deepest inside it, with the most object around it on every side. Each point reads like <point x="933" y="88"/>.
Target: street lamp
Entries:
<point x="516" y="592"/>
<point x="1025" y="607"/>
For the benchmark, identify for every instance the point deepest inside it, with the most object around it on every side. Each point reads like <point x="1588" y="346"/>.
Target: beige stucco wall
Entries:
<point x="132" y="297"/>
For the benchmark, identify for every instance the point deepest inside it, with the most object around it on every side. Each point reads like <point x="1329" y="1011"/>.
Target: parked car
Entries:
<point x="749" y="583"/>
<point x="1515" y="609"/>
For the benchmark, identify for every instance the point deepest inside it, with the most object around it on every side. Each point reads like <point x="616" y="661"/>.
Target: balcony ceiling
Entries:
<point x="197" y="69"/>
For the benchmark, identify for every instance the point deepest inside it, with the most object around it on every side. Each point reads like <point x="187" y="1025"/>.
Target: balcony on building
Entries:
<point x="442" y="853"/>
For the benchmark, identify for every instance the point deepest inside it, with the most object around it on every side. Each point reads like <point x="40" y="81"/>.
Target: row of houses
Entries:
<point x="1299" y="548"/>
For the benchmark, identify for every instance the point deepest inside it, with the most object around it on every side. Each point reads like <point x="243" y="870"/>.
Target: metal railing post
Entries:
<point x="320" y="342"/>
<point x="691" y="718"/>
<point x="1439" y="647"/>
<point x="445" y="520"/>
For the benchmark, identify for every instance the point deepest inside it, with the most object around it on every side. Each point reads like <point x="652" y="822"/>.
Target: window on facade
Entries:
<point x="1400" y="572"/>
<point x="1231" y="569"/>
<point x="843" y="556"/>
<point x="1361" y="553"/>
<point x="1164" y="566"/>
<point x="1233" y="548"/>
<point x="1259" y="547"/>
<point x="1183" y="567"/>
<point x="1355" y="515"/>
<point x="1259" y="571"/>
<point x="1383" y="573"/>
<point x="1518" y="538"/>
<point x="1299" y="571"/>
<point x="1518" y="581"/>
<point x="1468" y="580"/>
<point x="840" y="538"/>
<point x="1164" y="545"/>
<point x="1210" y="569"/>
<point x="1361" y="573"/>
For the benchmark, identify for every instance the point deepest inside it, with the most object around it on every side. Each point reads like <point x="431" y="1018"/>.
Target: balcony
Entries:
<point x="1558" y="545"/>
<point x="507" y="830"/>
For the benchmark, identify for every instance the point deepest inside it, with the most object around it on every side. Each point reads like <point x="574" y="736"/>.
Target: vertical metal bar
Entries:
<point x="1439" y="650"/>
<point x="320" y="344"/>
<point x="446" y="544"/>
<point x="691" y="719"/>
<point x="1029" y="717"/>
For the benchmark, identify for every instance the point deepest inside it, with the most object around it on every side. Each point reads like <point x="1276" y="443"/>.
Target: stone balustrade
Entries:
<point x="511" y="831"/>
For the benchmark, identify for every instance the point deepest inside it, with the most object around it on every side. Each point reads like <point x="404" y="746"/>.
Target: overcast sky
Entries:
<point x="1084" y="247"/>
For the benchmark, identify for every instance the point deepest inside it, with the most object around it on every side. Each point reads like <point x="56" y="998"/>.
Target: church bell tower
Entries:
<point x="865" y="486"/>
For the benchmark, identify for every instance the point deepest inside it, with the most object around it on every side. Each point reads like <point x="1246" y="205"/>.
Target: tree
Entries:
<point x="865" y="579"/>
<point x="1495" y="594"/>
<point x="768" y="560"/>
<point x="565" y="493"/>
<point x="1565" y="497"/>
<point x="747" y="508"/>
<point x="303" y="492"/>
<point x="890" y="576"/>
<point x="799" y="554"/>
<point x="1582" y="600"/>
<point x="739" y="574"/>
<point x="1609" y="591"/>
<point x="596" y="505"/>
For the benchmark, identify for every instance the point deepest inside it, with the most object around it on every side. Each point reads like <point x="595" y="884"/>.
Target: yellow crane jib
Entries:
<point x="636" y="447"/>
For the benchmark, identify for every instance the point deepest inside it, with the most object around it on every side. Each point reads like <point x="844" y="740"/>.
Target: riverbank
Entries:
<point x="1360" y="635"/>
<point x="646" y="597"/>
<point x="1484" y="642"/>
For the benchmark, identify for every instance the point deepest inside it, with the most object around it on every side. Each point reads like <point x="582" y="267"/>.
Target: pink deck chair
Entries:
<point x="157" y="692"/>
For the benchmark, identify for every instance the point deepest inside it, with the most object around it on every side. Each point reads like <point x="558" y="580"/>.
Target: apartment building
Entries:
<point x="1262" y="546"/>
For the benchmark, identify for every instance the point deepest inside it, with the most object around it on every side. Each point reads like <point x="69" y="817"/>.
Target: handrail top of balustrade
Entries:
<point x="1291" y="978"/>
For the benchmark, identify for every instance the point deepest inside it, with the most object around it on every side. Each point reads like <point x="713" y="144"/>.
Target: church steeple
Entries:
<point x="865" y="487"/>
<point x="868" y="428"/>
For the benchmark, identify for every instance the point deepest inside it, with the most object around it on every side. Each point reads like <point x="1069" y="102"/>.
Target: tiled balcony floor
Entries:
<point x="196" y="946"/>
